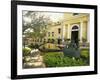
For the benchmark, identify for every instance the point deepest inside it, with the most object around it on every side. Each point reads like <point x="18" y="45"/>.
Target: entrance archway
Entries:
<point x="74" y="34"/>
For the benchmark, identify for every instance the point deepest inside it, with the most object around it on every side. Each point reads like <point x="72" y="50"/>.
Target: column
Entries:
<point x="81" y="25"/>
<point x="69" y="32"/>
<point x="63" y="33"/>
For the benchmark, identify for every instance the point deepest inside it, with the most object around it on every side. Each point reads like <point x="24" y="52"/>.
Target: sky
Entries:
<point x="54" y="16"/>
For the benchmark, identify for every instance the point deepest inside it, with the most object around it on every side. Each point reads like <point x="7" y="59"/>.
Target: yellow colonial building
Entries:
<point x="73" y="27"/>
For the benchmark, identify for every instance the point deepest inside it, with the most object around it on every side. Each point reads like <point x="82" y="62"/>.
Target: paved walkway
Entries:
<point x="34" y="62"/>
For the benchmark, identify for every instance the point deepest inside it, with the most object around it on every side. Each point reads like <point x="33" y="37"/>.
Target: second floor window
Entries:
<point x="59" y="30"/>
<point x="52" y="33"/>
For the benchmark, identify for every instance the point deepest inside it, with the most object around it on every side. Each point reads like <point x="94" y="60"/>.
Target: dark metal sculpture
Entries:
<point x="71" y="50"/>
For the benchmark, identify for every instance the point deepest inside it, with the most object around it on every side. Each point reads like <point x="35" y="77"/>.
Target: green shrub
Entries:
<point x="31" y="45"/>
<point x="85" y="53"/>
<point x="58" y="60"/>
<point x="26" y="51"/>
<point x="36" y="46"/>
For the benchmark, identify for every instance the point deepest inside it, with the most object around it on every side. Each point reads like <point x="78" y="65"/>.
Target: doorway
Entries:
<point x="74" y="35"/>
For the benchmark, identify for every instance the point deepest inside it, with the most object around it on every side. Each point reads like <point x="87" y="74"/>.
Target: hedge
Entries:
<point x="57" y="59"/>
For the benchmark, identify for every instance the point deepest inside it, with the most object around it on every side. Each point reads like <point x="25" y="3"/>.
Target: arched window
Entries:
<point x="75" y="28"/>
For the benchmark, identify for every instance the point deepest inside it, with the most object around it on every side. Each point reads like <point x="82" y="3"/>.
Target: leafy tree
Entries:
<point x="35" y="21"/>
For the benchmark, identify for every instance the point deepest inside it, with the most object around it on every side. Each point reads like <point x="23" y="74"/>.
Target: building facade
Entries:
<point x="74" y="27"/>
